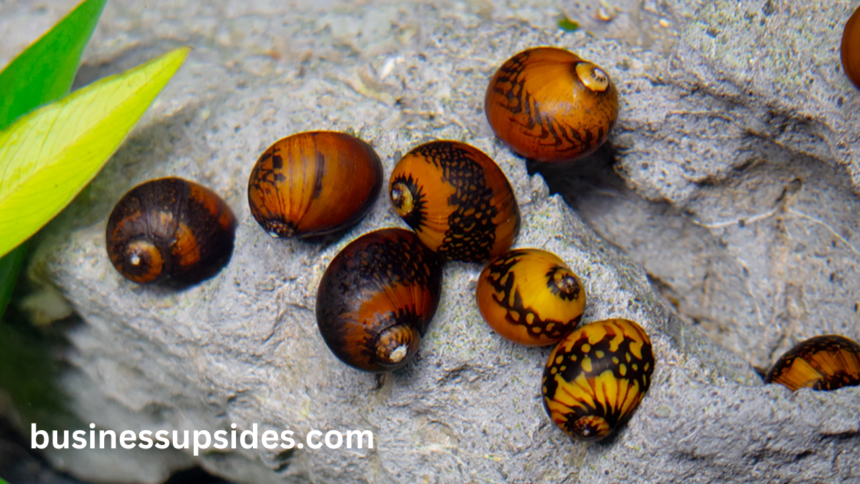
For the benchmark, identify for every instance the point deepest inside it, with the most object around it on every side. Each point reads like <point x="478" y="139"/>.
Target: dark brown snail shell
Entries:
<point x="170" y="228"/>
<point x="824" y="362"/>
<point x="312" y="184"/>
<point x="457" y="199"/>
<point x="376" y="299"/>
<point x="547" y="104"/>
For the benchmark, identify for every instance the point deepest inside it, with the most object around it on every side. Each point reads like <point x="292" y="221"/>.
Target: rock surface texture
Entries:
<point x="726" y="226"/>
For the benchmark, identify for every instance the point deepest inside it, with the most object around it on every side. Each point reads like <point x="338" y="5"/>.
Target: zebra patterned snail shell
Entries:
<point x="596" y="377"/>
<point x="825" y="362"/>
<point x="170" y="228"/>
<point x="376" y="299"/>
<point x="850" y="49"/>
<point x="312" y="184"/>
<point x="530" y="296"/>
<point x="549" y="105"/>
<point x="456" y="199"/>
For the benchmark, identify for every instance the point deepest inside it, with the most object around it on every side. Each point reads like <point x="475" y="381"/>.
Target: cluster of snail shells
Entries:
<point x="378" y="296"/>
<point x="596" y="376"/>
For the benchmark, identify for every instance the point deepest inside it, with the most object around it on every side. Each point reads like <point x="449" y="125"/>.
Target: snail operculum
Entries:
<point x="143" y="262"/>
<point x="408" y="201"/>
<point x="563" y="283"/>
<point x="593" y="77"/>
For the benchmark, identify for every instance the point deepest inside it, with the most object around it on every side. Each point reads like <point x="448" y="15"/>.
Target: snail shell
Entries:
<point x="376" y="299"/>
<point x="822" y="363"/>
<point x="548" y="104"/>
<point x="314" y="183"/>
<point x="530" y="296"/>
<point x="596" y="377"/>
<point x="170" y="228"/>
<point x="457" y="199"/>
<point x="850" y="49"/>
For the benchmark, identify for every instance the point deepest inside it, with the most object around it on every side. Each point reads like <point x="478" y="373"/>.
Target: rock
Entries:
<point x="737" y="188"/>
<point x="242" y="348"/>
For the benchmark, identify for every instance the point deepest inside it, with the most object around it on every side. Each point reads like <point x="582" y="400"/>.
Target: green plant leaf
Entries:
<point x="49" y="155"/>
<point x="45" y="70"/>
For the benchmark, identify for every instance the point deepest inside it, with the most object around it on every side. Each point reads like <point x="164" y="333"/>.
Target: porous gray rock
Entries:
<point x="242" y="348"/>
<point x="737" y="188"/>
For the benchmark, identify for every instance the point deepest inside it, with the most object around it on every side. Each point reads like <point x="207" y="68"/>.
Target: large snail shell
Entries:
<point x="376" y="299"/>
<point x="548" y="104"/>
<point x="824" y="362"/>
<point x="457" y="199"/>
<point x="596" y="377"/>
<point x="314" y="183"/>
<point x="170" y="228"/>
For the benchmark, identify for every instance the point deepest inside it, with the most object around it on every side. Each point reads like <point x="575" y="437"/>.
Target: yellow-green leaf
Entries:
<point x="49" y="155"/>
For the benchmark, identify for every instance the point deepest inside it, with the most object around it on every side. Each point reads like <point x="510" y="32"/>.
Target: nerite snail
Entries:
<point x="547" y="104"/>
<point x="170" y="228"/>
<point x="457" y="199"/>
<point x="530" y="296"/>
<point x="376" y="299"/>
<point x="821" y="363"/>
<point x="596" y="377"/>
<point x="314" y="183"/>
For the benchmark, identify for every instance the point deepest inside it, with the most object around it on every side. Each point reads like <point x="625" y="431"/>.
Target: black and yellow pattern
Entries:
<point x="170" y="228"/>
<point x="530" y="296"/>
<point x="457" y="199"/>
<point x="826" y="362"/>
<point x="377" y="298"/>
<point x="596" y="377"/>
<point x="314" y="183"/>
<point x="547" y="104"/>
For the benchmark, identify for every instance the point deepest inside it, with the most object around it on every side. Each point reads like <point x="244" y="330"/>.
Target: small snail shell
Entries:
<point x="314" y="183"/>
<point x="851" y="48"/>
<point x="457" y="200"/>
<point x="376" y="299"/>
<point x="596" y="377"/>
<point x="170" y="228"/>
<point x="530" y="296"/>
<point x="822" y="363"/>
<point x="549" y="105"/>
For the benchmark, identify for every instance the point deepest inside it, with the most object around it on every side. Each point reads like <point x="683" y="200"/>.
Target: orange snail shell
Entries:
<point x="822" y="363"/>
<point x="457" y="200"/>
<point x="548" y="104"/>
<point x="312" y="184"/>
